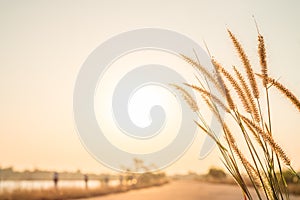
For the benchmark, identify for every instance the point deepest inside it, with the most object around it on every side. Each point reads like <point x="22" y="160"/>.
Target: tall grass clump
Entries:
<point x="262" y="159"/>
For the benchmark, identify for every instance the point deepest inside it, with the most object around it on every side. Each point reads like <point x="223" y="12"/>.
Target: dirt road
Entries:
<point x="181" y="190"/>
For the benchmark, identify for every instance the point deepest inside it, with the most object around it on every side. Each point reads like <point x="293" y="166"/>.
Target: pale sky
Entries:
<point x="44" y="43"/>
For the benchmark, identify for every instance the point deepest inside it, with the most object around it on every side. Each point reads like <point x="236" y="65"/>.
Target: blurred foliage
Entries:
<point x="290" y="177"/>
<point x="216" y="173"/>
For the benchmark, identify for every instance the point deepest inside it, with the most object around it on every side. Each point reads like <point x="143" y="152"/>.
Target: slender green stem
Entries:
<point x="272" y="155"/>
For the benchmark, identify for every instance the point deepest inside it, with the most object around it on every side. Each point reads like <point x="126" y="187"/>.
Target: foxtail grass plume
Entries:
<point x="209" y="95"/>
<point x="236" y="87"/>
<point x="263" y="59"/>
<point x="246" y="63"/>
<point x="250" y="99"/>
<point x="247" y="165"/>
<point x="286" y="92"/>
<point x="187" y="97"/>
<point x="269" y="139"/>
<point x="226" y="90"/>
<point x="203" y="71"/>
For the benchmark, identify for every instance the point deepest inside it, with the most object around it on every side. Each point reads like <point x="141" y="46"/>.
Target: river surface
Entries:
<point x="15" y="185"/>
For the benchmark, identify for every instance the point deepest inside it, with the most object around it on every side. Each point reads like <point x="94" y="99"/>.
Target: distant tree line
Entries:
<point x="10" y="174"/>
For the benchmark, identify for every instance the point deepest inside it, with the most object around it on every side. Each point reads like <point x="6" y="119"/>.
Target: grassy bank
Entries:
<point x="73" y="193"/>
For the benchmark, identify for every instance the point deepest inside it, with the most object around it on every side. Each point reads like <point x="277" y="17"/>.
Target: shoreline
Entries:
<point x="74" y="193"/>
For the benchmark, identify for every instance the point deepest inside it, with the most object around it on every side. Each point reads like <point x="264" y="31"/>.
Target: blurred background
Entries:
<point x="44" y="43"/>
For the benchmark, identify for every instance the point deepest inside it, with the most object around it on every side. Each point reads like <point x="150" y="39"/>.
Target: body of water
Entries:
<point x="15" y="185"/>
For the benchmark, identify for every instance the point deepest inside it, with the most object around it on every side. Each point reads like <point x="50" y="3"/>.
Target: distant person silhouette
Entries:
<point x="121" y="180"/>
<point x="86" y="179"/>
<point x="106" y="180"/>
<point x="55" y="179"/>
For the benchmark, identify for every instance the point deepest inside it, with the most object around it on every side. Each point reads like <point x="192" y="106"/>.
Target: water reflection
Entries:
<point x="29" y="185"/>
